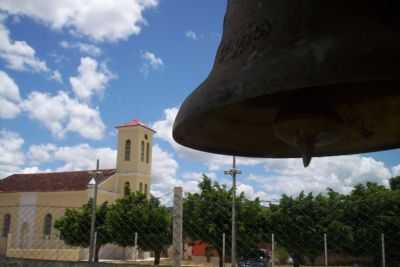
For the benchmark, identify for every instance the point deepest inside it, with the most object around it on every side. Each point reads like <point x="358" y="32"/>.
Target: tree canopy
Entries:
<point x="207" y="215"/>
<point x="395" y="183"/>
<point x="74" y="226"/>
<point x="299" y="223"/>
<point x="137" y="213"/>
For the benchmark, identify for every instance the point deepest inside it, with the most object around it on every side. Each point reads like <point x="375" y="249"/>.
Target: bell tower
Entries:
<point x="134" y="156"/>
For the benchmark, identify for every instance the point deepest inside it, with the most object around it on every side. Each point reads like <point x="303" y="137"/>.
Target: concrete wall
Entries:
<point x="3" y="246"/>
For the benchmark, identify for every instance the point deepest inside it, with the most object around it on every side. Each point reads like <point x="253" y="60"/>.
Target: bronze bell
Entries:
<point x="296" y="78"/>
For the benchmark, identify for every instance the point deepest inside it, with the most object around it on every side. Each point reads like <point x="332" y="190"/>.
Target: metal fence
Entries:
<point x="31" y="232"/>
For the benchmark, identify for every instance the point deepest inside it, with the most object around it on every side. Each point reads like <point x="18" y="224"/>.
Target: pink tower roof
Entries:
<point x="134" y="123"/>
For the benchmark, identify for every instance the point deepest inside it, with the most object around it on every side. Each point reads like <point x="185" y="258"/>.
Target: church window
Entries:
<point x="141" y="187"/>
<point x="6" y="225"/>
<point x="48" y="222"/>
<point x="147" y="152"/>
<point x="128" y="150"/>
<point x="142" y="151"/>
<point x="145" y="189"/>
<point x="127" y="189"/>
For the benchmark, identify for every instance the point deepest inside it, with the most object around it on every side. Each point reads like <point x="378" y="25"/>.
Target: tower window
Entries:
<point x="48" y="222"/>
<point x="6" y="225"/>
<point x="145" y="189"/>
<point x="128" y="150"/>
<point x="146" y="137"/>
<point x="127" y="189"/>
<point x="142" y="151"/>
<point x="147" y="152"/>
<point x="141" y="187"/>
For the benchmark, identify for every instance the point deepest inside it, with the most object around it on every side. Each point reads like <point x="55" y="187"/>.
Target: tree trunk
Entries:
<point x="208" y="254"/>
<point x="157" y="256"/>
<point x="221" y="260"/>
<point x="96" y="254"/>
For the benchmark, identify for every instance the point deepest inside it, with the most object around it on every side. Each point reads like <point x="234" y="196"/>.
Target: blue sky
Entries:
<point x="70" y="71"/>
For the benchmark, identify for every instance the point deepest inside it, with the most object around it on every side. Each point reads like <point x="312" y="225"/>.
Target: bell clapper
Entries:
<point x="306" y="131"/>
<point x="306" y="145"/>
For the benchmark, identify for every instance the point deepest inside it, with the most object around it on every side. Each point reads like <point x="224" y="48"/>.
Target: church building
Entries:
<point x="31" y="203"/>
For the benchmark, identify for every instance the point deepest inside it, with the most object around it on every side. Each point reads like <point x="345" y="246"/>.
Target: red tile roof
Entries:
<point x="133" y="123"/>
<point x="50" y="182"/>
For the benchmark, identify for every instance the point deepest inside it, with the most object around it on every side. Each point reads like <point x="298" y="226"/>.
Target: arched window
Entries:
<point x="141" y="187"/>
<point x="6" y="225"/>
<point x="47" y="225"/>
<point x="142" y="151"/>
<point x="147" y="152"/>
<point x="145" y="189"/>
<point x="127" y="189"/>
<point x="128" y="150"/>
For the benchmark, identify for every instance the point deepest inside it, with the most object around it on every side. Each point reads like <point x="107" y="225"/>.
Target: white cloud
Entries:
<point x="396" y="170"/>
<point x="250" y="192"/>
<point x="83" y="157"/>
<point x="38" y="154"/>
<point x="198" y="176"/>
<point x="151" y="62"/>
<point x="70" y="158"/>
<point x="191" y="35"/>
<point x="341" y="173"/>
<point x="11" y="156"/>
<point x="56" y="76"/>
<point x="101" y="20"/>
<point x="61" y="114"/>
<point x="92" y="78"/>
<point x="164" y="169"/>
<point x="9" y="97"/>
<point x="19" y="55"/>
<point x="84" y="48"/>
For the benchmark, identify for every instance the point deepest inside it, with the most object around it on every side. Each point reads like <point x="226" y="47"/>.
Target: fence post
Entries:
<point x="383" y="250"/>
<point x="273" y="251"/>
<point x="326" y="249"/>
<point x="223" y="249"/>
<point x="177" y="227"/>
<point x="136" y="250"/>
<point x="94" y="246"/>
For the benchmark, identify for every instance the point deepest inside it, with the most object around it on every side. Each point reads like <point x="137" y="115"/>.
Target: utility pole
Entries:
<point x="93" y="184"/>
<point x="233" y="172"/>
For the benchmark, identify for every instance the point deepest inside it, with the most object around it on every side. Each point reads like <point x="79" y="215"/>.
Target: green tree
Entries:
<point x="207" y="215"/>
<point x="74" y="227"/>
<point x="395" y="183"/>
<point x="299" y="224"/>
<point x="372" y="210"/>
<point x="137" y="213"/>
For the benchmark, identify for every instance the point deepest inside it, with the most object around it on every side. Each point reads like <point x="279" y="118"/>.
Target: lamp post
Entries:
<point x="93" y="184"/>
<point x="233" y="172"/>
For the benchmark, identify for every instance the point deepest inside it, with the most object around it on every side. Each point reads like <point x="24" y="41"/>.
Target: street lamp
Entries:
<point x="93" y="185"/>
<point x="233" y="172"/>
